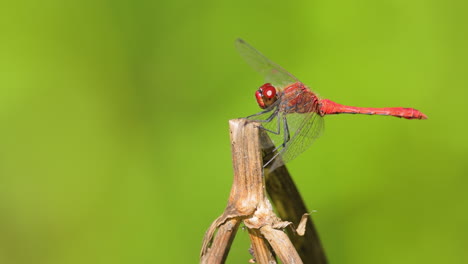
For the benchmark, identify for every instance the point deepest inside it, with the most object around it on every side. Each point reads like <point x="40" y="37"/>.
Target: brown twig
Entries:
<point x="248" y="203"/>
<point x="261" y="250"/>
<point x="247" y="188"/>
<point x="222" y="242"/>
<point x="281" y="244"/>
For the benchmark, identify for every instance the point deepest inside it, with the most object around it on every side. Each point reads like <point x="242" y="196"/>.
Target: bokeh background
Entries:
<point x="114" y="144"/>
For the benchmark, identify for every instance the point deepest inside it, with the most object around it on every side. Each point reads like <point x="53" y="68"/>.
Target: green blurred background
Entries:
<point x="114" y="144"/>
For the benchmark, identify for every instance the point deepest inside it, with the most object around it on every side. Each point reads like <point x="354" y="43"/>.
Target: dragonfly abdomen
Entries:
<point x="328" y="107"/>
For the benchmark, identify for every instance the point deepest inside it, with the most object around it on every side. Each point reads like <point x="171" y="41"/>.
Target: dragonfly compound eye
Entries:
<point x="259" y="97"/>
<point x="266" y="95"/>
<point x="268" y="91"/>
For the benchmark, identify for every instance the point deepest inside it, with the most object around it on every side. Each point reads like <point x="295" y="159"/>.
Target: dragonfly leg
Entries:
<point x="266" y="120"/>
<point x="261" y="113"/>
<point x="286" y="135"/>
<point x="275" y="113"/>
<point x="278" y="125"/>
<point x="286" y="130"/>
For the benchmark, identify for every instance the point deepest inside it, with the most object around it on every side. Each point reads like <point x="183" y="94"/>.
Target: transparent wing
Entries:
<point x="304" y="129"/>
<point x="272" y="72"/>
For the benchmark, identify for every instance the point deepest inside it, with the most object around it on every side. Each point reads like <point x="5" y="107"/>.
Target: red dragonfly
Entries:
<point x="292" y="112"/>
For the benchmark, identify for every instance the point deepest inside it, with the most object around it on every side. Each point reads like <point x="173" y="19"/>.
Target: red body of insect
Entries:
<point x="297" y="98"/>
<point x="297" y="110"/>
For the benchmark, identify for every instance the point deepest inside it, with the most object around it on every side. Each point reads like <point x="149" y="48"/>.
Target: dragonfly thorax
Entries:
<point x="266" y="95"/>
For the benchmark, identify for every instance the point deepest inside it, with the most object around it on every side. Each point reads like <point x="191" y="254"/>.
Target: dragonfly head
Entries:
<point x="266" y="95"/>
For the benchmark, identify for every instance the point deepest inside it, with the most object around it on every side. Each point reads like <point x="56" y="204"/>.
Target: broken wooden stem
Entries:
<point x="248" y="203"/>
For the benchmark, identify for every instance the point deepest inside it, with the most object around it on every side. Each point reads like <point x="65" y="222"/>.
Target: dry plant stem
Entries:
<point x="248" y="203"/>
<point x="247" y="192"/>
<point x="247" y="188"/>
<point x="289" y="204"/>
<point x="222" y="242"/>
<point x="281" y="244"/>
<point x="261" y="249"/>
